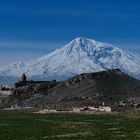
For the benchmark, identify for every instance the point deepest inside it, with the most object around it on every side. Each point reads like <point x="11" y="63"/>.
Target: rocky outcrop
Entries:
<point x="108" y="87"/>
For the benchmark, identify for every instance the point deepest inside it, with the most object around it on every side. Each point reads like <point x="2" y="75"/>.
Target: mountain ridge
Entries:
<point x="79" y="56"/>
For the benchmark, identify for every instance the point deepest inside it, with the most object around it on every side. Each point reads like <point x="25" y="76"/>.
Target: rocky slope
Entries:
<point x="109" y="87"/>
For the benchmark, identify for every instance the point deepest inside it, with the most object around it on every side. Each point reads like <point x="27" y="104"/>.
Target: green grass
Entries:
<point x="25" y="125"/>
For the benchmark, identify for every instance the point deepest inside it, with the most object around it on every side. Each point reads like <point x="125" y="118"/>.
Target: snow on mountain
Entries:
<point x="81" y="55"/>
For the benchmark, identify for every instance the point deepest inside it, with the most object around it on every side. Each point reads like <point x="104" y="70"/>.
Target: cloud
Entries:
<point x="13" y="51"/>
<point x="35" y="11"/>
<point x="7" y="58"/>
<point x="6" y="46"/>
<point x="46" y="11"/>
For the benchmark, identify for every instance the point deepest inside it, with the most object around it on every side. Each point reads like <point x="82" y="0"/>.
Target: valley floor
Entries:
<point x="25" y="125"/>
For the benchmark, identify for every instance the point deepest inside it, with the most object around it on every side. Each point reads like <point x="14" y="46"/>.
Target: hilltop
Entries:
<point x="110" y="87"/>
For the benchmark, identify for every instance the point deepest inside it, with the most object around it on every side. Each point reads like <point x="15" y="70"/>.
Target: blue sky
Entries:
<point x="32" y="28"/>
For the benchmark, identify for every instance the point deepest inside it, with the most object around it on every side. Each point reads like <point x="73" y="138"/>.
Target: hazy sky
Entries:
<point x="32" y="28"/>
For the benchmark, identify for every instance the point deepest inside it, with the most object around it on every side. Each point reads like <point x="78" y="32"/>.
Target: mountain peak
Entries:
<point x="83" y="40"/>
<point x="89" y="43"/>
<point x="82" y="43"/>
<point x="81" y="55"/>
<point x="89" y="46"/>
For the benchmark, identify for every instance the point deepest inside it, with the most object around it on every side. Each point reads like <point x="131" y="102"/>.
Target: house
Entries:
<point x="105" y="109"/>
<point x="96" y="109"/>
<point x="7" y="89"/>
<point x="28" y="107"/>
<point x="76" y="109"/>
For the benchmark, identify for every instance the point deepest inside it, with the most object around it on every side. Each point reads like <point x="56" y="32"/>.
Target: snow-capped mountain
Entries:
<point x="81" y="55"/>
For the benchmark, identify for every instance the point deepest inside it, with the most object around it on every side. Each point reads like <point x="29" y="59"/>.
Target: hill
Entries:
<point x="105" y="87"/>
